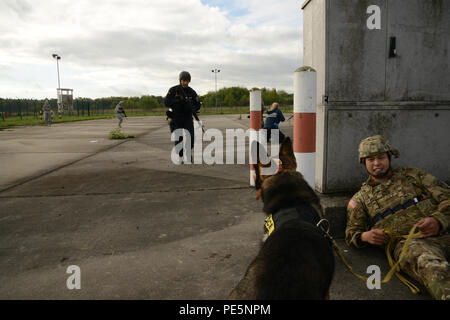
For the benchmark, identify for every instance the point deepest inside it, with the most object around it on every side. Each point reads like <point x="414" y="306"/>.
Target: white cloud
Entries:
<point x="137" y="47"/>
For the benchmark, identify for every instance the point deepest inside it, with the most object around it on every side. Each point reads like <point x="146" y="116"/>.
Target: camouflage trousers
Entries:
<point x="427" y="262"/>
<point x="47" y="117"/>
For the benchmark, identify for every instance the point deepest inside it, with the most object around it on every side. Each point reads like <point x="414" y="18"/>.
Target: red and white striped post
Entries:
<point x="255" y="124"/>
<point x="305" y="122"/>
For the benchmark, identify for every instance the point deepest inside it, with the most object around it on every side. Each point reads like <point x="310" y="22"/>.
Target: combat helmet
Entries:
<point x="184" y="75"/>
<point x="375" y="145"/>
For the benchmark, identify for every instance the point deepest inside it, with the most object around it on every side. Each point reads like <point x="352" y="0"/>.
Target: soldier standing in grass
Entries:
<point x="396" y="200"/>
<point x="119" y="110"/>
<point x="46" y="109"/>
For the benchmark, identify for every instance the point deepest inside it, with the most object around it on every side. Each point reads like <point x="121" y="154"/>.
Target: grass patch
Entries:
<point x="32" y="121"/>
<point x="118" y="134"/>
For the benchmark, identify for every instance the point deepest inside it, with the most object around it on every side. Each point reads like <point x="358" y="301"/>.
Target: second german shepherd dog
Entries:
<point x="296" y="261"/>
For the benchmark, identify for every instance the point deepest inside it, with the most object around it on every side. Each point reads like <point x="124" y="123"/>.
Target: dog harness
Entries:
<point x="275" y="221"/>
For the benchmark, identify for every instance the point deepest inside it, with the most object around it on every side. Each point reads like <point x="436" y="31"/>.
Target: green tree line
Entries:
<point x="81" y="106"/>
<point x="239" y="97"/>
<point x="226" y="97"/>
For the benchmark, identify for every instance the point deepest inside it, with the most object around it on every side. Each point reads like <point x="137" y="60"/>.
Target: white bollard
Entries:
<point x="255" y="123"/>
<point x="305" y="122"/>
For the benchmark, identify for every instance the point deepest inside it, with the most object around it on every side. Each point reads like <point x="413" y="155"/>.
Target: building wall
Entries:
<point x="362" y="91"/>
<point x="356" y="55"/>
<point x="420" y="71"/>
<point x="314" y="54"/>
<point x="314" y="42"/>
<point x="420" y="132"/>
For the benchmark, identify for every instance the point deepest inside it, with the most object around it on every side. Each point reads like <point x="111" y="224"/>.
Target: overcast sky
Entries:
<point x="138" y="47"/>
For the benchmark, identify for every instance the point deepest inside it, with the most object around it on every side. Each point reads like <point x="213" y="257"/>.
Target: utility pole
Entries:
<point x="215" y="71"/>
<point x="57" y="57"/>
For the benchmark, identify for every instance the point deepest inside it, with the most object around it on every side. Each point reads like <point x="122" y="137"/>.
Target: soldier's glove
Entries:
<point x="169" y="114"/>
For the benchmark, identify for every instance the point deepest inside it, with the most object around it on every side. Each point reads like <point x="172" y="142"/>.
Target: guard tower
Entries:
<point x="65" y="100"/>
<point x="382" y="68"/>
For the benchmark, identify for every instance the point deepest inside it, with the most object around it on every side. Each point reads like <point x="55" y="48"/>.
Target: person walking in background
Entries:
<point x="119" y="110"/>
<point x="273" y="119"/>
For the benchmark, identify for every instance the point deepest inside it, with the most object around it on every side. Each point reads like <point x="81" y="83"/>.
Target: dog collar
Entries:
<point x="280" y="218"/>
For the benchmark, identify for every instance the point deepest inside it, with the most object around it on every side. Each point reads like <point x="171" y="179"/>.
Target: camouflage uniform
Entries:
<point x="47" y="112"/>
<point x="426" y="259"/>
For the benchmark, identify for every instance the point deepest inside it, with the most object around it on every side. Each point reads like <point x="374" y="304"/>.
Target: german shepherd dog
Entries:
<point x="296" y="261"/>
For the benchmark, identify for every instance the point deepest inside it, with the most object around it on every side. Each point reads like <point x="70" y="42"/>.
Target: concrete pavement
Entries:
<point x="138" y="226"/>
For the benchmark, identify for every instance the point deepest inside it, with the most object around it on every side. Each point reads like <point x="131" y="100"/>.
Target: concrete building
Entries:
<point x="382" y="68"/>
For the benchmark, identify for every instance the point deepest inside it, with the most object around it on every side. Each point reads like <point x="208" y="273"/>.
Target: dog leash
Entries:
<point x="395" y="269"/>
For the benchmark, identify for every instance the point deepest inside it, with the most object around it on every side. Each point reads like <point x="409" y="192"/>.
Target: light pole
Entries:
<point x="215" y="71"/>
<point x="57" y="57"/>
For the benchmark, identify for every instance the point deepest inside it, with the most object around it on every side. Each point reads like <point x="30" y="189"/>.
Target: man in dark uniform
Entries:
<point x="184" y="103"/>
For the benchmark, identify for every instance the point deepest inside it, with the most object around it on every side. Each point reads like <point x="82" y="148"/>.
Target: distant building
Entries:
<point x="65" y="100"/>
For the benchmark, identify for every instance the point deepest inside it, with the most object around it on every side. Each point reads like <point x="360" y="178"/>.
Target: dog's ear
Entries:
<point x="287" y="156"/>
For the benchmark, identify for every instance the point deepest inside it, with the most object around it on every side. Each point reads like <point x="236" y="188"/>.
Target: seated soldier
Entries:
<point x="396" y="200"/>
